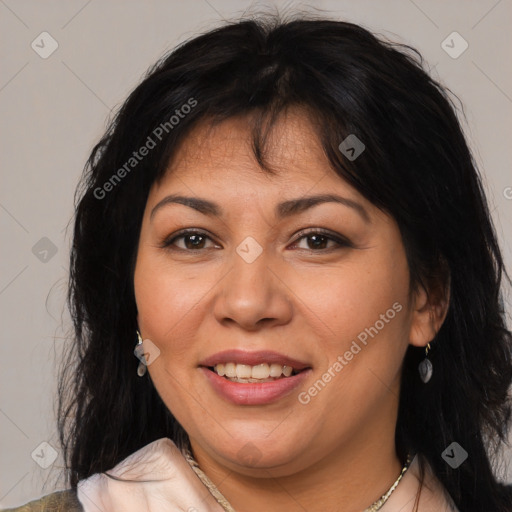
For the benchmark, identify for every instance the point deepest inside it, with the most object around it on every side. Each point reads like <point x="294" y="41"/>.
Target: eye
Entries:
<point x="193" y="240"/>
<point x="319" y="238"/>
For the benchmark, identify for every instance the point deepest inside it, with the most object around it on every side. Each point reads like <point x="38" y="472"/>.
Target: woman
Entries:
<point x="285" y="225"/>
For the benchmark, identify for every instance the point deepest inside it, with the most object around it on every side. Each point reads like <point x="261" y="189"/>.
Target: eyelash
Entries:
<point x="342" y="242"/>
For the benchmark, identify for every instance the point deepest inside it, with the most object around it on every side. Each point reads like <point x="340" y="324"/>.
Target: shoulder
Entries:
<point x="419" y="493"/>
<point x="433" y="495"/>
<point x="59" y="501"/>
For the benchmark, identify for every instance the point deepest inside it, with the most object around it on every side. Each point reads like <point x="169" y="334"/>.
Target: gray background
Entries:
<point x="53" y="110"/>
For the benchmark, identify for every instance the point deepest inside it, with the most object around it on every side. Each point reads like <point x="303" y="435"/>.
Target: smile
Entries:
<point x="265" y="372"/>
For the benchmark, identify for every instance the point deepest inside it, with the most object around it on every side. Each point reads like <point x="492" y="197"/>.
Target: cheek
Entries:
<point x="165" y="304"/>
<point x="367" y="316"/>
<point x="349" y="299"/>
<point x="366" y="311"/>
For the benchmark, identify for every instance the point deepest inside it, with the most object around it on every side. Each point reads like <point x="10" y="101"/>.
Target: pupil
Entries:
<point x="196" y="238"/>
<point x="317" y="238"/>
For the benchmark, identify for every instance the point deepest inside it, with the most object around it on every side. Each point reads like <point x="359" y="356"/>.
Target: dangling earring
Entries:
<point x="425" y="367"/>
<point x="139" y="354"/>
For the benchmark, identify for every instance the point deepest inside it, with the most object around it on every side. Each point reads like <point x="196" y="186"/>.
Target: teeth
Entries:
<point x="261" y="371"/>
<point x="230" y="370"/>
<point x="276" y="370"/>
<point x="247" y="373"/>
<point x="287" y="371"/>
<point x="243" y="371"/>
<point x="251" y="380"/>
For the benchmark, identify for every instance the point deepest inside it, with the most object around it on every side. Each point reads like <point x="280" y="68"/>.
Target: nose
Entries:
<point x="253" y="294"/>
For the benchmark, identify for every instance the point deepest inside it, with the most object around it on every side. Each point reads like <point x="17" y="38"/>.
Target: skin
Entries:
<point x="306" y="300"/>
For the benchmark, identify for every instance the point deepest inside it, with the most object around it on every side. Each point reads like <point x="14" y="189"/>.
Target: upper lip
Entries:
<point x="253" y="358"/>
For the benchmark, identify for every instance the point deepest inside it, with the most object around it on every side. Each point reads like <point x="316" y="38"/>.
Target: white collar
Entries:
<point x="173" y="485"/>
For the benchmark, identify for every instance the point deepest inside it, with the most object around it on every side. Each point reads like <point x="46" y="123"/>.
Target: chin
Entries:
<point x="250" y="454"/>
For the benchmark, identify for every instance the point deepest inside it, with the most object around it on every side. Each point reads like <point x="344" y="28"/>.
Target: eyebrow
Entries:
<point x="282" y="210"/>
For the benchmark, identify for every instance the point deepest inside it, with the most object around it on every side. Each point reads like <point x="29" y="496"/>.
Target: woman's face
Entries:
<point x="253" y="281"/>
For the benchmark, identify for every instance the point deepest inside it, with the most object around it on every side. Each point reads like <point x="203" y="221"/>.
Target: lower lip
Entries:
<point x="254" y="393"/>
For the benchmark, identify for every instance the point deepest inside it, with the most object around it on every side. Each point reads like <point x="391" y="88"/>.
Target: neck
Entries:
<point x="366" y="469"/>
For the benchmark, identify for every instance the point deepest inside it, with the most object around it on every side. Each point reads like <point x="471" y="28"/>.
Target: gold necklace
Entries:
<point x="224" y="503"/>
<point x="380" y="502"/>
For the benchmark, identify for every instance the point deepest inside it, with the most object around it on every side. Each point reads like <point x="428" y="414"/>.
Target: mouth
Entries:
<point x="249" y="391"/>
<point x="253" y="367"/>
<point x="263" y="372"/>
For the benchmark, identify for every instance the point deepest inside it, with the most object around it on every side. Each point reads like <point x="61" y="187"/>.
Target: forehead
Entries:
<point x="216" y="152"/>
<point x="218" y="162"/>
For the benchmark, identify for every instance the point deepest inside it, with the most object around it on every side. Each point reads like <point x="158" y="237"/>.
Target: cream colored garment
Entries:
<point x="177" y="487"/>
<point x="181" y="486"/>
<point x="432" y="498"/>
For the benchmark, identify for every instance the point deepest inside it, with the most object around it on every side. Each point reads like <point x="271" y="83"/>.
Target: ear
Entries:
<point x="430" y="308"/>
